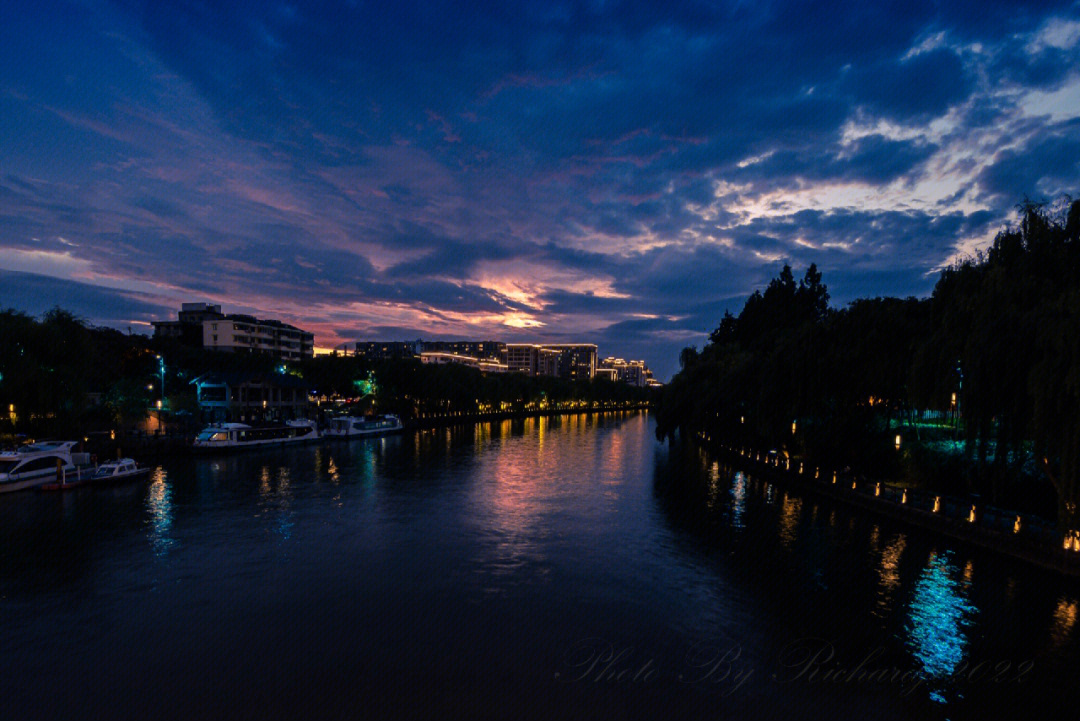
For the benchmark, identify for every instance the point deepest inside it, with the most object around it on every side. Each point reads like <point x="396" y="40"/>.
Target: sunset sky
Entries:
<point x="609" y="172"/>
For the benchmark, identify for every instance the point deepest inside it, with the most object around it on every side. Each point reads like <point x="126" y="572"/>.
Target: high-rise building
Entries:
<point x="575" y="361"/>
<point x="634" y="372"/>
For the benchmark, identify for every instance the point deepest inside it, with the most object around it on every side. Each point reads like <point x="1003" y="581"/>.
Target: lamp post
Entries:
<point x="161" y="368"/>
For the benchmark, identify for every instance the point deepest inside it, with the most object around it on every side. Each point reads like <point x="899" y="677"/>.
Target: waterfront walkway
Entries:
<point x="1025" y="537"/>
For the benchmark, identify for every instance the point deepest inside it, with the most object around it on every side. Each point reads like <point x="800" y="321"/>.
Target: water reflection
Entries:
<point x="1064" y="619"/>
<point x="790" y="511"/>
<point x="889" y="574"/>
<point x="938" y="617"/>
<point x="160" y="509"/>
<point x="738" y="501"/>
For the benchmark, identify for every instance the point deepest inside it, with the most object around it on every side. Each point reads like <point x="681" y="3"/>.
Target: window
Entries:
<point x="38" y="465"/>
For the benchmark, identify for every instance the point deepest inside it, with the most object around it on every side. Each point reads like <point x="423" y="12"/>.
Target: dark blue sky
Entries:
<point x="614" y="172"/>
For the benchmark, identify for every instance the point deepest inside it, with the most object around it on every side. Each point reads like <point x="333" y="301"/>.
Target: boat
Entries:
<point x="233" y="436"/>
<point x="353" y="427"/>
<point x="36" y="464"/>
<point x="122" y="469"/>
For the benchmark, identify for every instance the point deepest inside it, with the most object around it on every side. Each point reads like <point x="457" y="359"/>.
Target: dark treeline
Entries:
<point x="1001" y="331"/>
<point x="59" y="376"/>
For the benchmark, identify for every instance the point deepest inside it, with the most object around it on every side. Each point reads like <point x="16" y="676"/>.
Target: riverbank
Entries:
<point x="156" y="445"/>
<point x="1023" y="537"/>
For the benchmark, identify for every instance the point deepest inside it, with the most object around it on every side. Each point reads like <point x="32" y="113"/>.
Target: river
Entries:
<point x="567" y="567"/>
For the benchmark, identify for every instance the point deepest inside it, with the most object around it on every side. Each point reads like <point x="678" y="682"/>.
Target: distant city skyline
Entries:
<point x="621" y="172"/>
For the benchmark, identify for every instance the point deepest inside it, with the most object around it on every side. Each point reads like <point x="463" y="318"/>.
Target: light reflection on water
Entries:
<point x="160" y="511"/>
<point x="790" y="512"/>
<point x="738" y="501"/>
<point x="1064" y="619"/>
<point x="889" y="573"/>
<point x="446" y="553"/>
<point x="938" y="617"/>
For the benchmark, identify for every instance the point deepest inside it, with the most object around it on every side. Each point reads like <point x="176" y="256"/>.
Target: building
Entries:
<point x="577" y="361"/>
<point x="634" y="372"/>
<point x="247" y="334"/>
<point x="188" y="329"/>
<point x="574" y="361"/>
<point x="387" y="350"/>
<point x="474" y="348"/>
<point x="486" y="365"/>
<point x="532" y="359"/>
<point x="202" y="325"/>
<point x="609" y="374"/>
<point x="251" y="397"/>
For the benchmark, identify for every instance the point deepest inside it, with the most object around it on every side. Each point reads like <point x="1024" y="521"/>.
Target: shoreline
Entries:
<point x="1024" y="538"/>
<point x="141" y="447"/>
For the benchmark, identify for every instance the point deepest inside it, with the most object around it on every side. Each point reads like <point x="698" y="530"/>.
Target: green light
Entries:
<point x="366" y="386"/>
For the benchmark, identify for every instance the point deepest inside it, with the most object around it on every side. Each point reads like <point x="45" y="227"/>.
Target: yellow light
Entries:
<point x="159" y="404"/>
<point x="903" y="498"/>
<point x="937" y="504"/>
<point x="11" y="408"/>
<point x="793" y="427"/>
<point x="897" y="441"/>
<point x="1017" y="525"/>
<point x="877" y="490"/>
<point x="742" y="419"/>
<point x="834" y="476"/>
<point x="954" y="399"/>
<point x="112" y="435"/>
<point x="853" y="483"/>
<point x="971" y="515"/>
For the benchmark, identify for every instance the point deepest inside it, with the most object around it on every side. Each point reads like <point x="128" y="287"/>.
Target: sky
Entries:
<point x="611" y="172"/>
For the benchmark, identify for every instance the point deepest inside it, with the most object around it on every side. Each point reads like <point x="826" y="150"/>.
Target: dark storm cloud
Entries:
<point x="631" y="168"/>
<point x="925" y="85"/>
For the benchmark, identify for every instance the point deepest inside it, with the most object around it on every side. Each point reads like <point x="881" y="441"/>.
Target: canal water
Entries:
<point x="567" y="567"/>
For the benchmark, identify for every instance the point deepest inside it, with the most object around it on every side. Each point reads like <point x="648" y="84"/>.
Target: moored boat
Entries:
<point x="123" y="469"/>
<point x="353" y="427"/>
<point x="234" y="436"/>
<point x="37" y="463"/>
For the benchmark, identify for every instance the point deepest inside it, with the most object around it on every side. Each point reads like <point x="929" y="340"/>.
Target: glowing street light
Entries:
<point x="897" y="441"/>
<point x="161" y="369"/>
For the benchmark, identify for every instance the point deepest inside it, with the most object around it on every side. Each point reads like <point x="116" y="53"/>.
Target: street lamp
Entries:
<point x="161" y="368"/>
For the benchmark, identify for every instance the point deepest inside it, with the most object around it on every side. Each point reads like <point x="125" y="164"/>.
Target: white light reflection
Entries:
<point x="738" y="501"/>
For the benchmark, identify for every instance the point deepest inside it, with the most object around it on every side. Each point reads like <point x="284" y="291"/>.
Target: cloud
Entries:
<point x="622" y="171"/>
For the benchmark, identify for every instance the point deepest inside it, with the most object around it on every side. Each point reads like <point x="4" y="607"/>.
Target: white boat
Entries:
<point x="353" y="427"/>
<point x="36" y="464"/>
<point x="123" y="469"/>
<point x="230" y="436"/>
